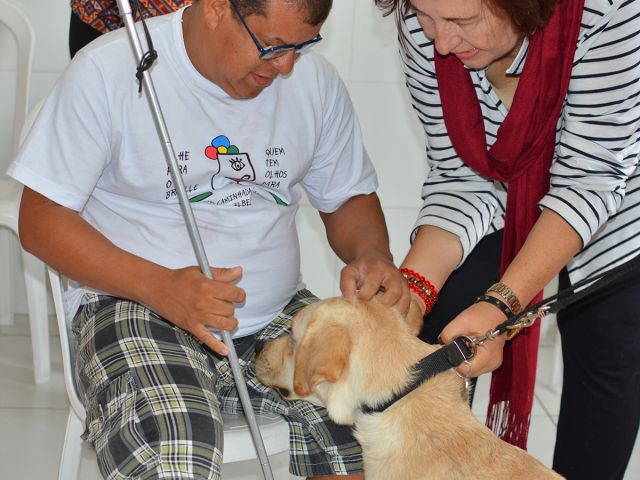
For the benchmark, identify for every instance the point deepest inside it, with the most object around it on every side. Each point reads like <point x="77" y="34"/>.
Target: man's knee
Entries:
<point x="168" y="431"/>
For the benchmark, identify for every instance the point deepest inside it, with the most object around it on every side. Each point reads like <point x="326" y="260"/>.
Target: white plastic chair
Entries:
<point x="238" y="445"/>
<point x="12" y="17"/>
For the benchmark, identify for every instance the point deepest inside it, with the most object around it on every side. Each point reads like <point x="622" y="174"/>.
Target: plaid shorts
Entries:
<point x="153" y="396"/>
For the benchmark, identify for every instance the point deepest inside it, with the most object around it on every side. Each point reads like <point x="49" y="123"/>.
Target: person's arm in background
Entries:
<point x="65" y="241"/>
<point x="358" y="235"/>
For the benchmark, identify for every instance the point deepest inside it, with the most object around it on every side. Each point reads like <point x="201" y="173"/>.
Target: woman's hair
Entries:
<point x="527" y="16"/>
<point x="316" y="11"/>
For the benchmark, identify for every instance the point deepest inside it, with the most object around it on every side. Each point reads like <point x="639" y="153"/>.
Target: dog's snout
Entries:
<point x="260" y="346"/>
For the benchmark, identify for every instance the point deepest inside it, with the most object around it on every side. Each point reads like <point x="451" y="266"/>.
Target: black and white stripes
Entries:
<point x="595" y="183"/>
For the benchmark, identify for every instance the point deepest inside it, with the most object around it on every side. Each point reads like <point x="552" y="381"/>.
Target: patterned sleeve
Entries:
<point x="599" y="138"/>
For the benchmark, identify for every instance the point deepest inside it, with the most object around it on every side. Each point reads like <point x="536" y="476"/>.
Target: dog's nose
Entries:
<point x="260" y="346"/>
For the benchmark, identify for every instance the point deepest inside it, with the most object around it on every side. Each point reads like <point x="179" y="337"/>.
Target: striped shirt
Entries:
<point x="595" y="183"/>
<point x="103" y="15"/>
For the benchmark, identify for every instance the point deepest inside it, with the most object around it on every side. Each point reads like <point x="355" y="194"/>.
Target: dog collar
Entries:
<point x="461" y="350"/>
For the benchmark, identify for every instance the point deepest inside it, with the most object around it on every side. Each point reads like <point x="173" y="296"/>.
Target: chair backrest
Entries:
<point x="12" y="16"/>
<point x="29" y="121"/>
<point x="66" y="342"/>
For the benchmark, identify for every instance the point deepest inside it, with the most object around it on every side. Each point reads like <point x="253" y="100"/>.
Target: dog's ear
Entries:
<point x="414" y="317"/>
<point x="322" y="356"/>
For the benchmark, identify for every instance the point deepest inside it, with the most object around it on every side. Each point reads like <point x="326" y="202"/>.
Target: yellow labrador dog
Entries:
<point x="353" y="355"/>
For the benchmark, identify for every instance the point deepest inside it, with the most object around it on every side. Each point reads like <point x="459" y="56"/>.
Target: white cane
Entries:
<point x="127" y="17"/>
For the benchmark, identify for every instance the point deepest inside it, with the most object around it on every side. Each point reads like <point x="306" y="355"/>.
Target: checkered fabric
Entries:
<point x="153" y="395"/>
<point x="103" y="15"/>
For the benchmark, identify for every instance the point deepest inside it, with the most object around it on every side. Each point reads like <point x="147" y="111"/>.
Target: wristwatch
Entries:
<point x="507" y="294"/>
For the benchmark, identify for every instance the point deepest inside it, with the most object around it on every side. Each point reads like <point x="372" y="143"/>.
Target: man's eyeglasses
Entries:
<point x="270" y="53"/>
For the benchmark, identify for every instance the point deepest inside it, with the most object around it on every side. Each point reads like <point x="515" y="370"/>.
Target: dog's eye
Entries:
<point x="284" y="393"/>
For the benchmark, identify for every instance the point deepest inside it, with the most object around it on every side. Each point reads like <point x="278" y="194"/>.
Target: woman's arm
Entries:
<point x="435" y="253"/>
<point x="550" y="245"/>
<point x="455" y="198"/>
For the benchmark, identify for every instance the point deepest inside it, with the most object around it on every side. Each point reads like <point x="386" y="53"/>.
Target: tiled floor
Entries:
<point x="33" y="418"/>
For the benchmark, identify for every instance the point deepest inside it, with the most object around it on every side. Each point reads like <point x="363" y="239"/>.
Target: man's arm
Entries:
<point x="65" y="241"/>
<point x="358" y="235"/>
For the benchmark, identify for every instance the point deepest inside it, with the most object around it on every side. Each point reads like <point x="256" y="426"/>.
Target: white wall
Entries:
<point x="363" y="47"/>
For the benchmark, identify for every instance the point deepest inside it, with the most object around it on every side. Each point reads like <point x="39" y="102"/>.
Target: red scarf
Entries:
<point x="521" y="156"/>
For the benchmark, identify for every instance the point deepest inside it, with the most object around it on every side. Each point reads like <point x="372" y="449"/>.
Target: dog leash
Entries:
<point x="464" y="348"/>
<point x="461" y="350"/>
<point x="560" y="300"/>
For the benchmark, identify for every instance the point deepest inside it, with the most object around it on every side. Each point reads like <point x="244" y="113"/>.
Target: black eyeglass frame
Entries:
<point x="270" y="53"/>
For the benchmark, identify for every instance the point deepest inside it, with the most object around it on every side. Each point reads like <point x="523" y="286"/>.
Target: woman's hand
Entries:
<point x="473" y="322"/>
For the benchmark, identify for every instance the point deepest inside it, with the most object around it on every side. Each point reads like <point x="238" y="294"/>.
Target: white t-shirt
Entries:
<point x="94" y="148"/>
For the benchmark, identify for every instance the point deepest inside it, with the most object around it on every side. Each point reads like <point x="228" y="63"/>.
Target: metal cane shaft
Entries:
<point x="198" y="247"/>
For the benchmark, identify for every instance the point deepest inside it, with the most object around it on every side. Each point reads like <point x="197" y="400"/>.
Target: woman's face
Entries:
<point x="467" y="29"/>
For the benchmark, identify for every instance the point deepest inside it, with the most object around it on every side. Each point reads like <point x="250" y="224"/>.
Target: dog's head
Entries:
<point x="329" y="356"/>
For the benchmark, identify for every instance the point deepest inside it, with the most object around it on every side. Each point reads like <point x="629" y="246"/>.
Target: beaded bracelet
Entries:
<point x="424" y="296"/>
<point x="422" y="287"/>
<point x="496" y="302"/>
<point x="414" y="278"/>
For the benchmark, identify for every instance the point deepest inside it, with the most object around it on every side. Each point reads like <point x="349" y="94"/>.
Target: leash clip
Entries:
<point x="470" y="347"/>
<point x="530" y="317"/>
<point x="523" y="321"/>
<point x="490" y="335"/>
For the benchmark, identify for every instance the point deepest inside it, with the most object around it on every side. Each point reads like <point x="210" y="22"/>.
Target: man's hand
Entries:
<point x="197" y="304"/>
<point x="370" y="274"/>
<point x="358" y="234"/>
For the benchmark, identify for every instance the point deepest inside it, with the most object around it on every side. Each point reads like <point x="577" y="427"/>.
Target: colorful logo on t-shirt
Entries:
<point x="229" y="166"/>
<point x="232" y="164"/>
